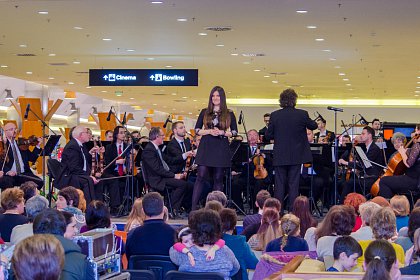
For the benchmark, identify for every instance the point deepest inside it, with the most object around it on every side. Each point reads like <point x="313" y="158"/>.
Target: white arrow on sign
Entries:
<point x="105" y="77"/>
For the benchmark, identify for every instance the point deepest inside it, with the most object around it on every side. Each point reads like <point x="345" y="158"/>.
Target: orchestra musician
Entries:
<point x="323" y="135"/>
<point x="15" y="167"/>
<point x="346" y="139"/>
<point x="262" y="131"/>
<point x="291" y="147"/>
<point x="178" y="149"/>
<point x="214" y="154"/>
<point x="379" y="136"/>
<point x="114" y="150"/>
<point x="390" y="185"/>
<point x="76" y="163"/>
<point x="373" y="153"/>
<point x="108" y="135"/>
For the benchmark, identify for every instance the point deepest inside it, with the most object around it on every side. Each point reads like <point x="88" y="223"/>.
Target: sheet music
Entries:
<point x="363" y="156"/>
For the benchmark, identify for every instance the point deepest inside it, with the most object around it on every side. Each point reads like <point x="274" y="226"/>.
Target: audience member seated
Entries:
<point x="342" y="223"/>
<point x="217" y="196"/>
<point x="401" y="207"/>
<point x="76" y="266"/>
<point x="268" y="231"/>
<point x="97" y="216"/>
<point x="34" y="206"/>
<point x="205" y="226"/>
<point x="367" y="210"/>
<point x="154" y="237"/>
<point x="380" y="262"/>
<point x="30" y="189"/>
<point x="290" y="240"/>
<point x="381" y="201"/>
<point x="68" y="200"/>
<point x="237" y="243"/>
<point x="214" y="205"/>
<point x="13" y="203"/>
<point x="261" y="197"/>
<point x="270" y="203"/>
<point x="38" y="257"/>
<point x="412" y="259"/>
<point x="413" y="223"/>
<point x="301" y="209"/>
<point x="71" y="225"/>
<point x="384" y="227"/>
<point x="354" y="200"/>
<point x="346" y="253"/>
<point x="136" y="217"/>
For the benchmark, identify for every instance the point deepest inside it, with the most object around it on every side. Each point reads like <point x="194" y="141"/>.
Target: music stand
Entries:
<point x="234" y="147"/>
<point x="316" y="150"/>
<point x="51" y="144"/>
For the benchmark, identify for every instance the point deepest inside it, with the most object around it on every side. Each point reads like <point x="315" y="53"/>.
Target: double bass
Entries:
<point x="395" y="167"/>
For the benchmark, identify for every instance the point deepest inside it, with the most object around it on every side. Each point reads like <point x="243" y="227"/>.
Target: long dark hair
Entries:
<point x="302" y="211"/>
<point x="224" y="116"/>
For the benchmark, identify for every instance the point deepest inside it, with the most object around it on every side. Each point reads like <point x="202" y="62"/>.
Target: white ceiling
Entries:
<point x="374" y="42"/>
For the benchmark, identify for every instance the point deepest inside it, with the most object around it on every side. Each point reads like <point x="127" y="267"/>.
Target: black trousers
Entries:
<point x="88" y="187"/>
<point x="287" y="181"/>
<point x="15" y="181"/>
<point x="363" y="186"/>
<point x="390" y="185"/>
<point x="178" y="189"/>
<point x="6" y="182"/>
<point x="114" y="186"/>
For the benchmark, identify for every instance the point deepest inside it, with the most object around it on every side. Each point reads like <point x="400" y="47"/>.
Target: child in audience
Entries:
<point x="136" y="217"/>
<point x="346" y="253"/>
<point x="290" y="241"/>
<point x="268" y="231"/>
<point x="380" y="262"/>
<point x="302" y="210"/>
<point x="401" y="207"/>
<point x="412" y="258"/>
<point x="185" y="242"/>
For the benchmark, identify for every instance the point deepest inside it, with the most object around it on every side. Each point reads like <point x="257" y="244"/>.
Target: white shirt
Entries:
<point x="22" y="166"/>
<point x="83" y="154"/>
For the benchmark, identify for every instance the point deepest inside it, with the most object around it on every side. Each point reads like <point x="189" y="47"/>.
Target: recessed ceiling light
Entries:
<point x="302" y="11"/>
<point x="348" y="85"/>
<point x="416" y="95"/>
<point x="202" y="34"/>
<point x="220" y="45"/>
<point x="51" y="78"/>
<point x="418" y="82"/>
<point x="23" y="45"/>
<point x="70" y="83"/>
<point x="52" y="54"/>
<point x="345" y="79"/>
<point x="131" y="98"/>
<point x="326" y="50"/>
<point x="417" y="91"/>
<point x="349" y="89"/>
<point x="78" y="27"/>
<point x="185" y="97"/>
<point x="195" y="100"/>
<point x="4" y="66"/>
<point x="181" y="19"/>
<point x="43" y="12"/>
<point x="88" y="87"/>
<point x="333" y="58"/>
<point x="106" y="39"/>
<point x="341" y="74"/>
<point x="311" y="27"/>
<point x="189" y="113"/>
<point x="76" y="62"/>
<point x="29" y="72"/>
<point x="150" y="58"/>
<point x="267" y="76"/>
<point x="337" y="67"/>
<point x="104" y="91"/>
<point x="234" y="54"/>
<point x="418" y="77"/>
<point x="168" y="66"/>
<point x="154" y="104"/>
<point x="275" y="82"/>
<point x="246" y="62"/>
<point x="173" y="109"/>
<point x="173" y="93"/>
<point x="416" y="87"/>
<point x="156" y="2"/>
<point x="257" y="70"/>
<point x="319" y="39"/>
<point x="130" y="50"/>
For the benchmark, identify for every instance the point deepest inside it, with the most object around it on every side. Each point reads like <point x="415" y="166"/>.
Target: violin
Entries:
<point x="25" y="143"/>
<point x="189" y="161"/>
<point x="260" y="172"/>
<point x="351" y="158"/>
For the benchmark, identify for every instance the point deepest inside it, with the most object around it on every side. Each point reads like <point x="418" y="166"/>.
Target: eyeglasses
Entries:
<point x="161" y="135"/>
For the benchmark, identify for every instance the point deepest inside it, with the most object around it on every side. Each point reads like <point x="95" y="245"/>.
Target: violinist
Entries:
<point x="16" y="163"/>
<point x="118" y="168"/>
<point x="376" y="125"/>
<point x="373" y="153"/>
<point x="323" y="136"/>
<point x="346" y="139"/>
<point x="390" y="185"/>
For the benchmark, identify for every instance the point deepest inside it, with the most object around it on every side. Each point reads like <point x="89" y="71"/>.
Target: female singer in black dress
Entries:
<point x="215" y="124"/>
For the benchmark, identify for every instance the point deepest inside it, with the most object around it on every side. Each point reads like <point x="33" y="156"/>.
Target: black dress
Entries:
<point x="214" y="151"/>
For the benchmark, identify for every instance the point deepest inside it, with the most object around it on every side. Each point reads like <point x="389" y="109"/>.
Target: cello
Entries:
<point x="395" y="167"/>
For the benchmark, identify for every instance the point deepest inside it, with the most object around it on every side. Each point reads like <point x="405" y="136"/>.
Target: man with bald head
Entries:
<point x="76" y="164"/>
<point x="16" y="169"/>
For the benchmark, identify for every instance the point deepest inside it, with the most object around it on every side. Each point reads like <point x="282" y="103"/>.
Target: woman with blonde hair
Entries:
<point x="269" y="230"/>
<point x="136" y="217"/>
<point x="401" y="207"/>
<point x="290" y="240"/>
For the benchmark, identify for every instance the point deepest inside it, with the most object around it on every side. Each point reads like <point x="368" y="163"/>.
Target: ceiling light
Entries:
<point x="349" y="89"/>
<point x="131" y="98"/>
<point x="154" y="104"/>
<point x="302" y="11"/>
<point x="29" y="72"/>
<point x="23" y="46"/>
<point x="418" y="82"/>
<point x="185" y="97"/>
<point x="88" y="87"/>
<point x="119" y="93"/>
<point x="275" y="82"/>
<point x="341" y="74"/>
<point x="417" y="91"/>
<point x="104" y="91"/>
<point x="150" y="58"/>
<point x="319" y="39"/>
<point x="106" y="39"/>
<point x="181" y="19"/>
<point x="202" y="34"/>
<point x="220" y="45"/>
<point x="333" y="58"/>
<point x="4" y="66"/>
<point x="326" y="50"/>
<point x="311" y="27"/>
<point x="189" y="113"/>
<point x="173" y="93"/>
<point x="73" y="107"/>
<point x="156" y="2"/>
<point x="173" y="109"/>
<point x="337" y="67"/>
<point x="195" y="100"/>
<point x="267" y="76"/>
<point x="9" y="95"/>
<point x="345" y="79"/>
<point x="130" y="50"/>
<point x="168" y="66"/>
<point x="348" y="85"/>
<point x="246" y="62"/>
<point x="52" y="54"/>
<point x="70" y="83"/>
<point x="51" y="78"/>
<point x="78" y="28"/>
<point x="418" y="77"/>
<point x="257" y="70"/>
<point x="76" y="62"/>
<point x="417" y="87"/>
<point x="416" y="95"/>
<point x="234" y="54"/>
<point x="43" y="12"/>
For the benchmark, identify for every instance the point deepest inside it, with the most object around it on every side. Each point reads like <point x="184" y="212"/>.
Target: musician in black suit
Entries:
<point x="157" y="170"/>
<point x="117" y="167"/>
<point x="291" y="147"/>
<point x="178" y="149"/>
<point x="76" y="164"/>
<point x="16" y="167"/>
<point x="323" y="135"/>
<point x="262" y="131"/>
<point x="373" y="153"/>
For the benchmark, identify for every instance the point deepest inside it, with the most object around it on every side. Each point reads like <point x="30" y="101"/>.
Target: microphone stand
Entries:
<point x="335" y="157"/>
<point x="248" y="195"/>
<point x="44" y="125"/>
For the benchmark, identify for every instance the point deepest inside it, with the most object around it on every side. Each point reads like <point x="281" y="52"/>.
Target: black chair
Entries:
<point x="159" y="265"/>
<point x="178" y="275"/>
<point x="54" y="168"/>
<point x="140" y="274"/>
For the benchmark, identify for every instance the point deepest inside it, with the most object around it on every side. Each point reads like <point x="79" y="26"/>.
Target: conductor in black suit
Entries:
<point x="76" y="165"/>
<point x="157" y="170"/>
<point x="291" y="147"/>
<point x="178" y="149"/>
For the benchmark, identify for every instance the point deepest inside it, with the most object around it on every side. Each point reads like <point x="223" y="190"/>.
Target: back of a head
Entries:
<point x="206" y="227"/>
<point x="367" y="210"/>
<point x="273" y="203"/>
<point x="325" y="227"/>
<point x="217" y="196"/>
<point x="290" y="225"/>
<point x="381" y="201"/>
<point x="11" y="198"/>
<point x="97" y="215"/>
<point x="288" y="98"/>
<point x="413" y="222"/>
<point x="354" y="200"/>
<point x="38" y="257"/>
<point x="379" y="259"/>
<point x="262" y="196"/>
<point x="50" y="221"/>
<point x="342" y="222"/>
<point x="152" y="204"/>
<point x="229" y="219"/>
<point x="302" y="210"/>
<point x="29" y="189"/>
<point x="348" y="245"/>
<point x="383" y="223"/>
<point x="214" y="205"/>
<point x="400" y="205"/>
<point x="35" y="205"/>
<point x="270" y="227"/>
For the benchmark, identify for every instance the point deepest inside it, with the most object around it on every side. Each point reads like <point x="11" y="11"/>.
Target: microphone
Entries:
<point x="27" y="111"/>
<point x="320" y="117"/>
<point x="109" y="115"/>
<point x="363" y="120"/>
<point x="124" y="120"/>
<point x="335" y="109"/>
<point x="240" y="118"/>
<point x="166" y="122"/>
